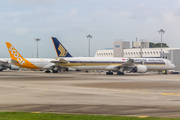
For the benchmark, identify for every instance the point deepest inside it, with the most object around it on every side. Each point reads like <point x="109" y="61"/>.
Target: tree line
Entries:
<point x="157" y="45"/>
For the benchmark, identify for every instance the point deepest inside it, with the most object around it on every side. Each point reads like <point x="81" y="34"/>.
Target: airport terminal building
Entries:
<point x="140" y="49"/>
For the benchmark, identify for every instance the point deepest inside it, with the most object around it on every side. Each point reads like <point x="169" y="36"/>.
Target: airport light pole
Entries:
<point x="89" y="36"/>
<point x="141" y="47"/>
<point x="37" y="39"/>
<point x="161" y="31"/>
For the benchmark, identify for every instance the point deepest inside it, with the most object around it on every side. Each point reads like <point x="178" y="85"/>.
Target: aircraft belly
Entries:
<point x="156" y="67"/>
<point x="89" y="67"/>
<point x="39" y="65"/>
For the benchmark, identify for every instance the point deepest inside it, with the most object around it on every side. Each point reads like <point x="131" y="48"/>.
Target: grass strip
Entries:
<point x="51" y="116"/>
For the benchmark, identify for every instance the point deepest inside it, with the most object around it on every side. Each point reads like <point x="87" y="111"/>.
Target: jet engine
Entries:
<point x="140" y="69"/>
<point x="14" y="67"/>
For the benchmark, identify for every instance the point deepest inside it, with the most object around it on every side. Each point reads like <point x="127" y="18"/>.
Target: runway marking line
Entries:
<point x="170" y="94"/>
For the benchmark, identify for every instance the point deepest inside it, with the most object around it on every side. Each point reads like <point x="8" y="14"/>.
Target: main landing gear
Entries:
<point x="55" y="71"/>
<point x="47" y="71"/>
<point x="120" y="73"/>
<point x="109" y="73"/>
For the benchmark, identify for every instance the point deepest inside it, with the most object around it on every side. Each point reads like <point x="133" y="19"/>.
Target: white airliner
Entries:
<point x="119" y="65"/>
<point x="5" y="63"/>
<point x="32" y="63"/>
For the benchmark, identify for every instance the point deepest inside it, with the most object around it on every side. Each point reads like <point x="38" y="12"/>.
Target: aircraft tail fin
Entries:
<point x="60" y="49"/>
<point x="14" y="54"/>
<point x="17" y="59"/>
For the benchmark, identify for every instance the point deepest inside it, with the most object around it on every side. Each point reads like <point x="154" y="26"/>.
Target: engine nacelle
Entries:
<point x="140" y="69"/>
<point x="14" y="67"/>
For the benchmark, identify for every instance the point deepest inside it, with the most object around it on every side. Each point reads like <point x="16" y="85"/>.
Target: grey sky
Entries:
<point x="72" y="20"/>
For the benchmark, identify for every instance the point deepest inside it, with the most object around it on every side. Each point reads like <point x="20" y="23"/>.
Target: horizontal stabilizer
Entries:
<point x="14" y="61"/>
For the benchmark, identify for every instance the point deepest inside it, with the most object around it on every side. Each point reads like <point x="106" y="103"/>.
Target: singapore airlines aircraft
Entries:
<point x="5" y="63"/>
<point x="32" y="63"/>
<point x="119" y="65"/>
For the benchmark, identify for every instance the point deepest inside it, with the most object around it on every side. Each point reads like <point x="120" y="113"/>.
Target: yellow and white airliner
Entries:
<point x="119" y="65"/>
<point x="32" y="63"/>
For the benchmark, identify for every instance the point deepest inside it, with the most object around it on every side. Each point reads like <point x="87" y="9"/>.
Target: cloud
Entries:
<point x="105" y="20"/>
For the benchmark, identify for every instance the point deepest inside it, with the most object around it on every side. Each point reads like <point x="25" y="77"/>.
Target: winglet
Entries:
<point x="60" y="49"/>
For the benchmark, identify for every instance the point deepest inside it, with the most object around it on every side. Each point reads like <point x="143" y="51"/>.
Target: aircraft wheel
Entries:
<point x="55" y="71"/>
<point x="109" y="73"/>
<point x="47" y="71"/>
<point x="120" y="73"/>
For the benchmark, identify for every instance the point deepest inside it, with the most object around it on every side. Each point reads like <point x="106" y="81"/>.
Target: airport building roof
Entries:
<point x="135" y="52"/>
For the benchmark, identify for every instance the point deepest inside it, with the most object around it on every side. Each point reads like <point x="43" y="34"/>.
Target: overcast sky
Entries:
<point x="72" y="20"/>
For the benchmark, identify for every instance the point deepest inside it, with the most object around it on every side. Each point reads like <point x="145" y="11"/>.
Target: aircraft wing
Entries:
<point x="129" y="64"/>
<point x="61" y="60"/>
<point x="59" y="64"/>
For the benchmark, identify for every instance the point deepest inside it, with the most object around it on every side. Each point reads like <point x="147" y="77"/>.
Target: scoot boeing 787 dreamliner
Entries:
<point x="119" y="65"/>
<point x="32" y="63"/>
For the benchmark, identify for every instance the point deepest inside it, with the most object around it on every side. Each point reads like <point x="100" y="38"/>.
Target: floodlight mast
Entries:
<point x="161" y="31"/>
<point x="37" y="39"/>
<point x="89" y="37"/>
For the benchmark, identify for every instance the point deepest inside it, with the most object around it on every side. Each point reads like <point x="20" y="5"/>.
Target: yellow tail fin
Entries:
<point x="18" y="59"/>
<point x="15" y="54"/>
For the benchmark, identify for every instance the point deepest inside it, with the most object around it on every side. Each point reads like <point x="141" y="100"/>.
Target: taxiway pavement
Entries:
<point x="89" y="93"/>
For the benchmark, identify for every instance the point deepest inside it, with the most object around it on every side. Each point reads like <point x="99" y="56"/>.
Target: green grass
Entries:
<point x="51" y="116"/>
